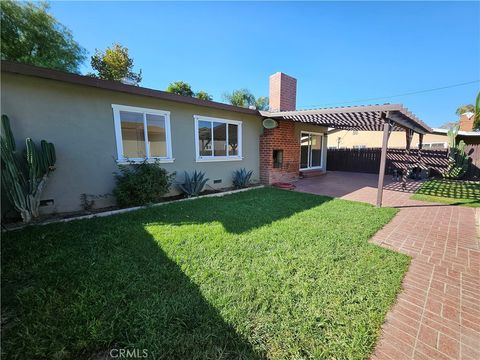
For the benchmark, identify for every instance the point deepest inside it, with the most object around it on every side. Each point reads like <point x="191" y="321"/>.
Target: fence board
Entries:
<point x="368" y="160"/>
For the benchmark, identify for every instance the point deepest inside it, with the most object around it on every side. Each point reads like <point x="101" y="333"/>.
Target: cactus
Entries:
<point x="452" y="134"/>
<point x="24" y="179"/>
<point x="457" y="159"/>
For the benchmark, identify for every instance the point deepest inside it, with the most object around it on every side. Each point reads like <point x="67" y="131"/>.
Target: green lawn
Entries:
<point x="262" y="274"/>
<point x="454" y="192"/>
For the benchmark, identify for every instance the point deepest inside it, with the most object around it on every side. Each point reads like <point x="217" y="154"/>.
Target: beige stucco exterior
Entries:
<point x="369" y="139"/>
<point x="79" y="121"/>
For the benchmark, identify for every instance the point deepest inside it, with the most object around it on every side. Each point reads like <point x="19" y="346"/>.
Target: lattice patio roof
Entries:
<point x="362" y="118"/>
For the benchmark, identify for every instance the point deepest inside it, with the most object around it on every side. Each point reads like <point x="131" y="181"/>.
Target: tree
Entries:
<point x="448" y="125"/>
<point x="262" y="103"/>
<point x="244" y="98"/>
<point x="476" y="120"/>
<point x="241" y="97"/>
<point x="115" y="64"/>
<point x="203" y="95"/>
<point x="180" y="88"/>
<point x="462" y="109"/>
<point x="30" y="35"/>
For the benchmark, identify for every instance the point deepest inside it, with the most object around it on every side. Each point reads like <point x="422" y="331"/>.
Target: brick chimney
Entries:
<point x="283" y="92"/>
<point x="466" y="121"/>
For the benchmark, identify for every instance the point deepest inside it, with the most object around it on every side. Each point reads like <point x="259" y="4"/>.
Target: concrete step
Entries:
<point x="311" y="173"/>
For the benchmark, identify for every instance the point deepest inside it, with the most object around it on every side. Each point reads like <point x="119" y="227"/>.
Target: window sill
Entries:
<point x="149" y="161"/>
<point x="219" y="159"/>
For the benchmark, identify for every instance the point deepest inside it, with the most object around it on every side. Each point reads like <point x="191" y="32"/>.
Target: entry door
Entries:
<point x="310" y="150"/>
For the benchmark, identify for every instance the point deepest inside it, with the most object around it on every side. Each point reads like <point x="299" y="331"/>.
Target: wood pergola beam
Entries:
<point x="383" y="158"/>
<point x="361" y="117"/>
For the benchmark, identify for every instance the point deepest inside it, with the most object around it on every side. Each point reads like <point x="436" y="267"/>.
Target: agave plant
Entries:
<point x="241" y="178"/>
<point x="193" y="184"/>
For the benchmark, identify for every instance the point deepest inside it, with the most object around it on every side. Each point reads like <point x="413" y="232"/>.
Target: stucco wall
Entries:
<point x="79" y="121"/>
<point x="348" y="139"/>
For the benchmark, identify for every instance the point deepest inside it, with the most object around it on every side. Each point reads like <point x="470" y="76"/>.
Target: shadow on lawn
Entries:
<point x="456" y="189"/>
<point x="79" y="290"/>
<point x="237" y="213"/>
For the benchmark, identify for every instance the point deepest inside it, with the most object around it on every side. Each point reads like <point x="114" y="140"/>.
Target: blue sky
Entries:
<point x="339" y="51"/>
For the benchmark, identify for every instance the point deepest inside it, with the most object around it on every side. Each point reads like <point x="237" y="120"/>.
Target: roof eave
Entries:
<point x="56" y="75"/>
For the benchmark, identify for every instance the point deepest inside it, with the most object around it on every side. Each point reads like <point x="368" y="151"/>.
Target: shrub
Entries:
<point x="193" y="185"/>
<point x="141" y="184"/>
<point x="241" y="178"/>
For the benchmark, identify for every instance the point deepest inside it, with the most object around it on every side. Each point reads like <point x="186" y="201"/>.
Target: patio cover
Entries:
<point x="362" y="118"/>
<point x="386" y="118"/>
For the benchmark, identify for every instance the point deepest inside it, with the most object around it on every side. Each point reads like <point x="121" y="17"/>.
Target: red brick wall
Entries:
<point x="466" y="123"/>
<point x="281" y="138"/>
<point x="283" y="92"/>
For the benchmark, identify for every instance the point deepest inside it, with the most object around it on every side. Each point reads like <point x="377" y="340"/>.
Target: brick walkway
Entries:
<point x="437" y="313"/>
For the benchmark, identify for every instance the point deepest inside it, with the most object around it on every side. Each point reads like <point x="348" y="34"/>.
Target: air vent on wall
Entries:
<point x="47" y="202"/>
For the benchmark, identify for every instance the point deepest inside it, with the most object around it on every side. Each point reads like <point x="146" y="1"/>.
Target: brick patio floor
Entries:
<point x="437" y="313"/>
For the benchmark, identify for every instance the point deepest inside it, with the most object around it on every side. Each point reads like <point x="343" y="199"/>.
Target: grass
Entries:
<point x="453" y="192"/>
<point x="262" y="274"/>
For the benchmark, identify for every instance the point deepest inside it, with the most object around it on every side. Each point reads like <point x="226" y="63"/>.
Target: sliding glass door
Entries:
<point x="310" y="150"/>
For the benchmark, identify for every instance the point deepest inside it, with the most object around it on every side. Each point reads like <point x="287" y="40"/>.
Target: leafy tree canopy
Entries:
<point x="115" y="64"/>
<point x="262" y="103"/>
<point x="244" y="98"/>
<point x="203" y="95"/>
<point x="30" y="35"/>
<point x="449" y="125"/>
<point x="476" y="121"/>
<point x="462" y="109"/>
<point x="180" y="88"/>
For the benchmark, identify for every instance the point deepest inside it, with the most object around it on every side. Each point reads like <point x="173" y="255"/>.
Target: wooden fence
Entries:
<point x="473" y="152"/>
<point x="368" y="160"/>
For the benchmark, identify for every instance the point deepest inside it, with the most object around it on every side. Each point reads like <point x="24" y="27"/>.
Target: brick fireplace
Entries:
<point x="280" y="147"/>
<point x="279" y="153"/>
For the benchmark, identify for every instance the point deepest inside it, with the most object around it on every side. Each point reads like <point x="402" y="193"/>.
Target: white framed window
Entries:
<point x="217" y="139"/>
<point x="434" y="145"/>
<point x="142" y="134"/>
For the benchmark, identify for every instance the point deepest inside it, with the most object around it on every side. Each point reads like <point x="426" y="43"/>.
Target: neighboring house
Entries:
<point x="438" y="139"/>
<point x="97" y="124"/>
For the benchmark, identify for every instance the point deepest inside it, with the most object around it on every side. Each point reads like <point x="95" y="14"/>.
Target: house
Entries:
<point x="97" y="124"/>
<point x="438" y="139"/>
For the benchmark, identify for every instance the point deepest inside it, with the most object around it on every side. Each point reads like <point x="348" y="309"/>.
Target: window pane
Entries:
<point x="133" y="136"/>
<point x="157" y="139"/>
<point x="304" y="155"/>
<point x="205" y="138"/>
<point x="232" y="139"/>
<point x="220" y="139"/>
<point x="316" y="150"/>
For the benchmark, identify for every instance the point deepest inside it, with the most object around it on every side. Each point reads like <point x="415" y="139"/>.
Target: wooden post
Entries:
<point x="383" y="161"/>
<point x="409" y="137"/>
<point x="420" y="147"/>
